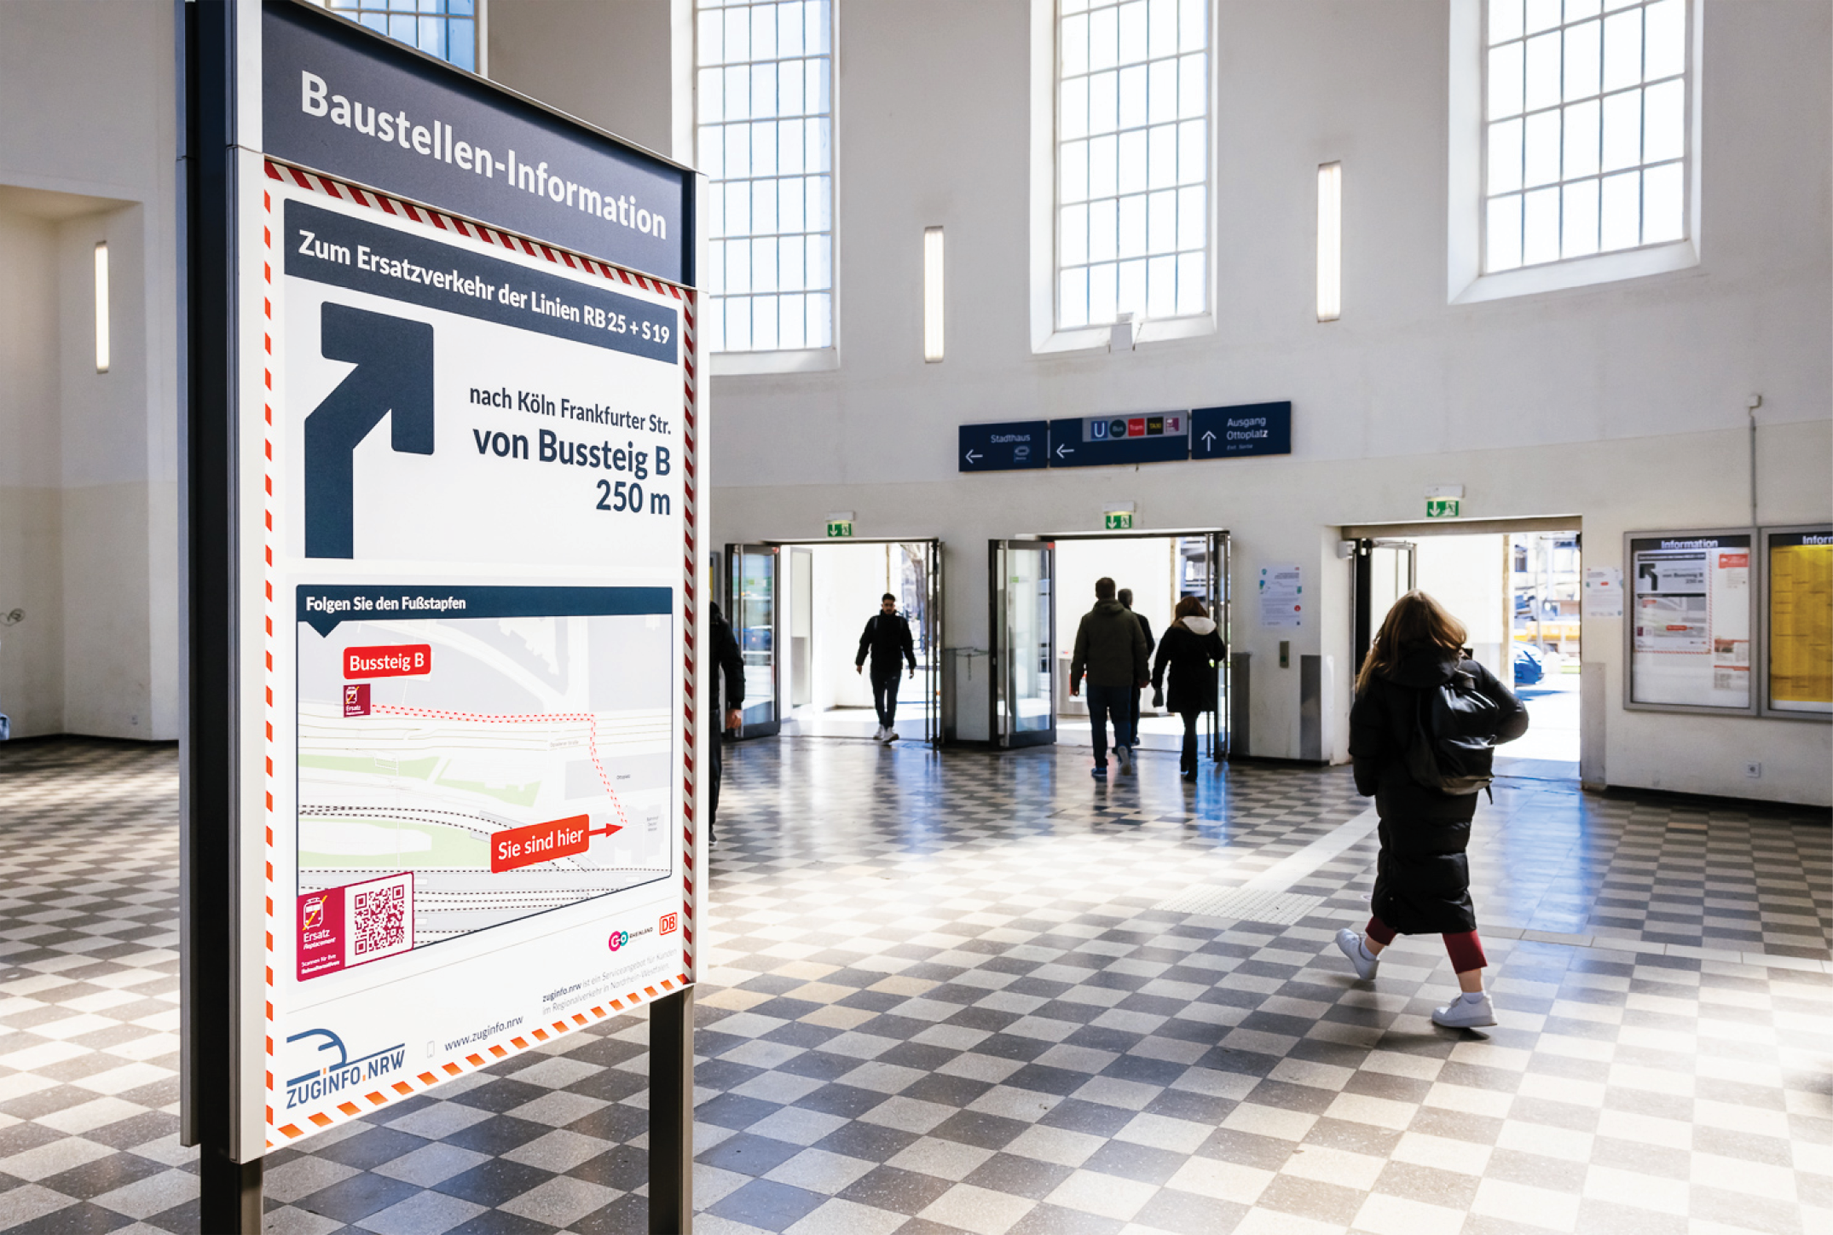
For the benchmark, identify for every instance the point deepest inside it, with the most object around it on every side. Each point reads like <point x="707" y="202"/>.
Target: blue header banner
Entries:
<point x="1135" y="437"/>
<point x="1245" y="429"/>
<point x="333" y="248"/>
<point x="1006" y="446"/>
<point x="324" y="606"/>
<point x="341" y="100"/>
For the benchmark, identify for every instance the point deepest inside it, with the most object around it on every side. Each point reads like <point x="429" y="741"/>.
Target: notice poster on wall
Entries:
<point x="1690" y="621"/>
<point x="1604" y="592"/>
<point x="1282" y="599"/>
<point x="1800" y="578"/>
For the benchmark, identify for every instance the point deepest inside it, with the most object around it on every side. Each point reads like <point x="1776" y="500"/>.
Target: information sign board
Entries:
<point x="1101" y="441"/>
<point x="364" y="110"/>
<point x="1690" y="620"/>
<point x="1798" y="586"/>
<point x="462" y="498"/>
<point x="1003" y="446"/>
<point x="1244" y="429"/>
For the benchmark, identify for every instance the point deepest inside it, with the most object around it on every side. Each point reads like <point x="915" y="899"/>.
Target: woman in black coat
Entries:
<point x="1422" y="877"/>
<point x="1191" y="647"/>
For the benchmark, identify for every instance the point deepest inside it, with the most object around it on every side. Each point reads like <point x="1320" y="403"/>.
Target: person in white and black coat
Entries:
<point x="1190" y="650"/>
<point x="886" y="639"/>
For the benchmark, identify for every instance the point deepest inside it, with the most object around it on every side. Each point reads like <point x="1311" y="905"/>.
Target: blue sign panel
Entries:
<point x="1245" y="429"/>
<point x="346" y="102"/>
<point x="1127" y="438"/>
<point x="1003" y="447"/>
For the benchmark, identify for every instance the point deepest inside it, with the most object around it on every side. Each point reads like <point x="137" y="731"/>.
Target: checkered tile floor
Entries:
<point x="940" y="1000"/>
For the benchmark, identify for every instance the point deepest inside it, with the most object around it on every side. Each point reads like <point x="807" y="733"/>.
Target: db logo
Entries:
<point x="666" y="926"/>
<point x="618" y="939"/>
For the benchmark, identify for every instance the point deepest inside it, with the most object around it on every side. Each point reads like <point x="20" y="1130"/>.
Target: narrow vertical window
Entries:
<point x="932" y="294"/>
<point x="764" y="113"/>
<point x="101" y="306"/>
<point x="1329" y="242"/>
<point x="443" y="28"/>
<point x="1132" y="160"/>
<point x="1585" y="128"/>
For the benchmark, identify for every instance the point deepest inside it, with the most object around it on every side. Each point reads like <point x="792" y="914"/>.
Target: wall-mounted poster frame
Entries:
<point x="1689" y="635"/>
<point x="1796" y="567"/>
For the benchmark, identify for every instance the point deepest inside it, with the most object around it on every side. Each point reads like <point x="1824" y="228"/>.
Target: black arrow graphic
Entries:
<point x="394" y="378"/>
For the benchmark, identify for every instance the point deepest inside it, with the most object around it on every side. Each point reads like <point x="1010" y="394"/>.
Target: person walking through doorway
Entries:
<point x="1191" y="648"/>
<point x="1415" y="683"/>
<point x="1111" y="647"/>
<point x="1125" y="597"/>
<point x="886" y="639"/>
<point x="729" y="671"/>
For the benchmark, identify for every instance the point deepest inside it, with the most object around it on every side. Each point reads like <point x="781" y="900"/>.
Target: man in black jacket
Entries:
<point x="1125" y="597"/>
<point x="729" y="671"/>
<point x="887" y="639"/>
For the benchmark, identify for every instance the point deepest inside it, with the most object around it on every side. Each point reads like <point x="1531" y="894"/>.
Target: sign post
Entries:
<point x="440" y="789"/>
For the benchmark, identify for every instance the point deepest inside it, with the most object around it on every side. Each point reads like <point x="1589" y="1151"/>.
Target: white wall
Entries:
<point x="88" y="461"/>
<point x="1623" y="404"/>
<point x="1466" y="575"/>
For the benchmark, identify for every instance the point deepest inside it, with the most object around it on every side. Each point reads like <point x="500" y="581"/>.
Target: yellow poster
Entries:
<point x="1801" y="623"/>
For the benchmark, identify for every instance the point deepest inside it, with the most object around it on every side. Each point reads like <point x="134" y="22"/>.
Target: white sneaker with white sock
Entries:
<point x="1351" y="945"/>
<point x="1471" y="1010"/>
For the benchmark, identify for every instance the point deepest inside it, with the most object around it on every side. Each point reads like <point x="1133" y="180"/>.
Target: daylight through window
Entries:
<point x="1132" y="160"/>
<point x="443" y="28"/>
<point x="1586" y="106"/>
<point x="765" y="112"/>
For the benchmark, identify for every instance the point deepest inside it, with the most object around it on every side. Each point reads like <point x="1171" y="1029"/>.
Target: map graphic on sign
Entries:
<point x="499" y="765"/>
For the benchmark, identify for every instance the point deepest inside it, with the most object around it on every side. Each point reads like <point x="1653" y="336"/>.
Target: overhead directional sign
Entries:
<point x="1135" y="437"/>
<point x="1003" y="446"/>
<point x="1244" y="429"/>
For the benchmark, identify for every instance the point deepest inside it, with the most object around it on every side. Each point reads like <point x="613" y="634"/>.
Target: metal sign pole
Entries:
<point x="671" y="1113"/>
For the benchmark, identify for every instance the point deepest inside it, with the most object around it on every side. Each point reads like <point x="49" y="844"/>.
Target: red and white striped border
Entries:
<point x="343" y="191"/>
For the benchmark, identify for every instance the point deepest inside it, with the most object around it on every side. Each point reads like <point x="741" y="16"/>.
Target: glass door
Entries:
<point x="918" y="584"/>
<point x="751" y="607"/>
<point x="1024" y="652"/>
<point x="1222" y="613"/>
<point x="1386" y="570"/>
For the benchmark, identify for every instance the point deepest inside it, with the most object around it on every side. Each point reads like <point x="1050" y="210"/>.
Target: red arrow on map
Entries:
<point x="606" y="830"/>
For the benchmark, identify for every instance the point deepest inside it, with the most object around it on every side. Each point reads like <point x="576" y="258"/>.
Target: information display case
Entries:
<point x="1692" y="617"/>
<point x="1797" y="609"/>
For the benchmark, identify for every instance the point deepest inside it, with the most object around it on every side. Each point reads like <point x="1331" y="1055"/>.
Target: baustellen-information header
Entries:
<point x="346" y="103"/>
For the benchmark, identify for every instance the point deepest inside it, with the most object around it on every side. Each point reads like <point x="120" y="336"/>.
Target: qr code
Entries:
<point x="378" y="919"/>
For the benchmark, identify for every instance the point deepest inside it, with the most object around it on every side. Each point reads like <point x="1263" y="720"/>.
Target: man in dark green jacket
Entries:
<point x="1111" y="648"/>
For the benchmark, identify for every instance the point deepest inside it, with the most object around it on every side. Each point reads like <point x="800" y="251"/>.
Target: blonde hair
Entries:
<point x="1416" y="620"/>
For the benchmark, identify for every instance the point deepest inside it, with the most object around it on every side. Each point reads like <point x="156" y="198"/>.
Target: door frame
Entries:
<point x="735" y="619"/>
<point x="1006" y="737"/>
<point x="1220" y="601"/>
<point x="933" y="620"/>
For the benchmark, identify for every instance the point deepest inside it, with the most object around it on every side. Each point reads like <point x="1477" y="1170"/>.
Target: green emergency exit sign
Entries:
<point x="839" y="527"/>
<point x="1442" y="507"/>
<point x="1119" y="521"/>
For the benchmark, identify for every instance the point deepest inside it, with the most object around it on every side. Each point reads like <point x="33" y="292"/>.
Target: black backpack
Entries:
<point x="1453" y="744"/>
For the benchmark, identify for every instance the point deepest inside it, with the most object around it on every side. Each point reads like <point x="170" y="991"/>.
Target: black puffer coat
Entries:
<point x="1190" y="652"/>
<point x="1422" y="878"/>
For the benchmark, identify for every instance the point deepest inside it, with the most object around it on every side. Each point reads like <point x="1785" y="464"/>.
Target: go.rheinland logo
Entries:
<point x="335" y="1071"/>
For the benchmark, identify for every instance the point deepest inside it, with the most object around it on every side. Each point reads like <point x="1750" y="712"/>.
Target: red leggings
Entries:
<point x="1465" y="949"/>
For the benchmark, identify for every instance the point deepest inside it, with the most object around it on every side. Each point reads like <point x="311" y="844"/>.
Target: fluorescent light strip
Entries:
<point x="1329" y="242"/>
<point x="101" y="306"/>
<point x="932" y="294"/>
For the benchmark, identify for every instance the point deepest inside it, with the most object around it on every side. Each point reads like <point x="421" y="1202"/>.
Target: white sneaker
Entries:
<point x="1471" y="1010"/>
<point x="878" y="734"/>
<point x="1351" y="945"/>
<point x="890" y="735"/>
